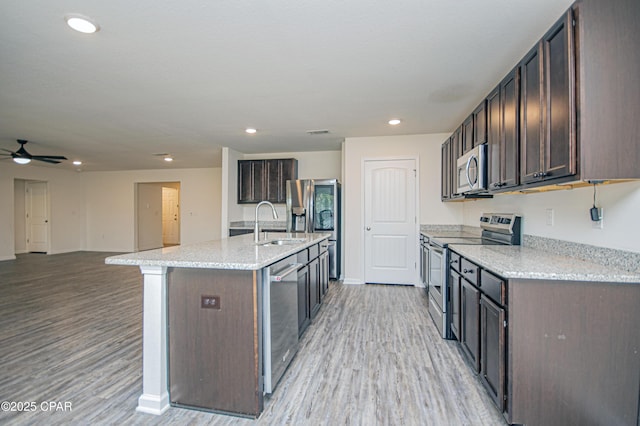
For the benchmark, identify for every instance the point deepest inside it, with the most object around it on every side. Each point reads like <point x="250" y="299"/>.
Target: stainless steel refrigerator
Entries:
<point x="313" y="205"/>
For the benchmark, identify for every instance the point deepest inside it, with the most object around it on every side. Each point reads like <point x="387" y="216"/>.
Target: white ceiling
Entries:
<point x="187" y="77"/>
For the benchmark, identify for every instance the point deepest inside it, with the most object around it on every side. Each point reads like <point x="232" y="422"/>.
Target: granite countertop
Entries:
<point x="528" y="263"/>
<point x="238" y="252"/>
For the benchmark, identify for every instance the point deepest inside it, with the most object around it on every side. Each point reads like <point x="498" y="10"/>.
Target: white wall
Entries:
<point x="66" y="201"/>
<point x="424" y="147"/>
<point x="110" y="202"/>
<point x="621" y="203"/>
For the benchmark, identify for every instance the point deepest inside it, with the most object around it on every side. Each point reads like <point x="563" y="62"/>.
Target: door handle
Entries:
<point x="368" y="228"/>
<point x="46" y="221"/>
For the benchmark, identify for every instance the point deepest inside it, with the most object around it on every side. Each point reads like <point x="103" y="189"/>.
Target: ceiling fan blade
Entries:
<point x="46" y="160"/>
<point x="50" y="157"/>
<point x="10" y="152"/>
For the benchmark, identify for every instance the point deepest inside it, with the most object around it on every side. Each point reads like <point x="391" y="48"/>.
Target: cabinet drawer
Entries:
<point x="469" y="271"/>
<point x="303" y="256"/>
<point x="494" y="287"/>
<point x="454" y="261"/>
<point x="314" y="251"/>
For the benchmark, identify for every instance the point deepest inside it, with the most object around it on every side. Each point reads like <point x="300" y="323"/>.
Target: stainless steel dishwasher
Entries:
<point x="280" y="319"/>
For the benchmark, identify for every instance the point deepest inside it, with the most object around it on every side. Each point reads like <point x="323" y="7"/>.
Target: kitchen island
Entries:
<point x="225" y="280"/>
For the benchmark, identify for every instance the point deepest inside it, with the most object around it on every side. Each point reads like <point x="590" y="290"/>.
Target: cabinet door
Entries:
<point x="492" y="342"/>
<point x="531" y="117"/>
<point x="324" y="274"/>
<point x="251" y="181"/>
<point x="467" y="135"/>
<point x="303" y="299"/>
<point x="454" y="282"/>
<point x="559" y="86"/>
<point x="278" y="172"/>
<point x="445" y="175"/>
<point x="470" y="323"/>
<point x="480" y="124"/>
<point x="493" y="139"/>
<point x="509" y="130"/>
<point x="314" y="287"/>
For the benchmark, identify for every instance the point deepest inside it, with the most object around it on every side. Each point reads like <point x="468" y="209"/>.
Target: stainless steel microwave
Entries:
<point x="471" y="170"/>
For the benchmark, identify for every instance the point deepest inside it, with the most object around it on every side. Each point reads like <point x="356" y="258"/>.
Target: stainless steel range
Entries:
<point x="497" y="229"/>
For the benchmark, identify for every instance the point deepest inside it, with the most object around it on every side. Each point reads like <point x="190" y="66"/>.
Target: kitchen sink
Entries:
<point x="281" y="242"/>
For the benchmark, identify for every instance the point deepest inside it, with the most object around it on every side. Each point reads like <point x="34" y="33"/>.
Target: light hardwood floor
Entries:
<point x="70" y="332"/>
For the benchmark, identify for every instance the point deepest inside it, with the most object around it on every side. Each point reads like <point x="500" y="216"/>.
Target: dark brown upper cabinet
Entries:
<point x="260" y="180"/>
<point x="480" y="124"/>
<point x="467" y="135"/>
<point x="502" y="133"/>
<point x="509" y="130"/>
<point x="548" y="110"/>
<point x="278" y="172"/>
<point x="445" y="178"/>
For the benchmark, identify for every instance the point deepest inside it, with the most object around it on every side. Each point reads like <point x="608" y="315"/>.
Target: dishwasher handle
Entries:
<point x="288" y="270"/>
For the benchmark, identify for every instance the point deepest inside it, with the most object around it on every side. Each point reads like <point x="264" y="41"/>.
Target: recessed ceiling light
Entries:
<point x="77" y="163"/>
<point x="250" y="130"/>
<point x="394" y="122"/>
<point x="82" y="24"/>
<point x="168" y="159"/>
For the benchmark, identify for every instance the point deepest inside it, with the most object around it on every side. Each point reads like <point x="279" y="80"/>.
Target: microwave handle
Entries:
<point x="467" y="170"/>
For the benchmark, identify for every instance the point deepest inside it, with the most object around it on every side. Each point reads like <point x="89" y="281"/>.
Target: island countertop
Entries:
<point x="239" y="252"/>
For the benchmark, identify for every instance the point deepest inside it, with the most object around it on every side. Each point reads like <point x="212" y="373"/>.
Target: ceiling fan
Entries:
<point x="21" y="156"/>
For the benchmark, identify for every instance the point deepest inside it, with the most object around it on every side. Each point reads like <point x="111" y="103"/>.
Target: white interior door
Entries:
<point x="390" y="221"/>
<point x="37" y="211"/>
<point x="170" y="216"/>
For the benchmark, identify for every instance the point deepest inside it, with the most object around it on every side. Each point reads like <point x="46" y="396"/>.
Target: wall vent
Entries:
<point x="317" y="132"/>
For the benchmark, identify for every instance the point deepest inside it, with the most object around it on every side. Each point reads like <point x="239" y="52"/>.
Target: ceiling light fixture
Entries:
<point x="168" y="159"/>
<point x="395" y="121"/>
<point x="82" y="23"/>
<point x="250" y="130"/>
<point x="21" y="160"/>
<point x="77" y="163"/>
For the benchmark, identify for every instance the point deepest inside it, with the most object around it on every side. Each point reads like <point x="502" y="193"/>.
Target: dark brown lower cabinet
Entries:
<point x="303" y="299"/>
<point x="454" y="282"/>
<point x="492" y="344"/>
<point x="470" y="322"/>
<point x="324" y="273"/>
<point x="314" y="287"/>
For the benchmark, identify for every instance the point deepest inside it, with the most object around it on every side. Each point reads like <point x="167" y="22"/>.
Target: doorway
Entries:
<point x="157" y="215"/>
<point x="31" y="216"/>
<point x="390" y="220"/>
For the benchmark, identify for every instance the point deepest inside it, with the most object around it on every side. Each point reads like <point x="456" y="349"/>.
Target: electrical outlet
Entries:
<point x="599" y="224"/>
<point x="209" y="302"/>
<point x="550" y="217"/>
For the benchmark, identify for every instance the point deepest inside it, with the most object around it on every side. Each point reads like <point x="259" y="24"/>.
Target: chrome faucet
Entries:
<point x="256" y="228"/>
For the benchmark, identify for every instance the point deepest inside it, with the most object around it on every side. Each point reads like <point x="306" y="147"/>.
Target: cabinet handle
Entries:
<point x="468" y="271"/>
<point x="454" y="261"/>
<point x="535" y="175"/>
<point x="543" y="174"/>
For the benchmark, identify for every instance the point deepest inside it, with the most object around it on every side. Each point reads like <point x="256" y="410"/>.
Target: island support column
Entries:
<point x="155" y="396"/>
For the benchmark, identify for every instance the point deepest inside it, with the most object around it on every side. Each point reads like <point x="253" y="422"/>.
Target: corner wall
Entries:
<point x="110" y="204"/>
<point x="66" y="207"/>
<point x="427" y="149"/>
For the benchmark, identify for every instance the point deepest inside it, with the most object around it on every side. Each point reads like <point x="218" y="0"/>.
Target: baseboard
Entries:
<point x="352" y="281"/>
<point x="7" y="258"/>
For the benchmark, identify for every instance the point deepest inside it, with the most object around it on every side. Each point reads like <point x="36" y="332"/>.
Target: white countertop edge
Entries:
<point x="177" y="256"/>
<point x="500" y="261"/>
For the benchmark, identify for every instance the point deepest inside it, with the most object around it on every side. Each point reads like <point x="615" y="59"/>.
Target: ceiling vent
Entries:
<point x="317" y="132"/>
